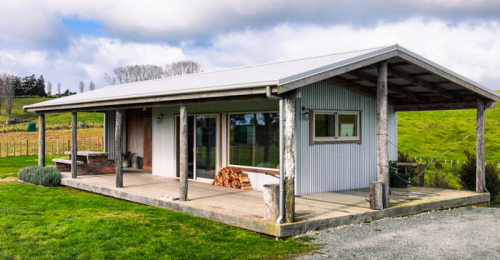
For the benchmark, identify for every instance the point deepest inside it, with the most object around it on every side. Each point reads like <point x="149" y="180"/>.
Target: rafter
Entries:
<point x="371" y="92"/>
<point x="392" y="87"/>
<point x="422" y="84"/>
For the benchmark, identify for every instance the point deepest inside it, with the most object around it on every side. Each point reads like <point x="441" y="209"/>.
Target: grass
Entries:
<point x="430" y="133"/>
<point x="55" y="118"/>
<point x="9" y="166"/>
<point x="61" y="223"/>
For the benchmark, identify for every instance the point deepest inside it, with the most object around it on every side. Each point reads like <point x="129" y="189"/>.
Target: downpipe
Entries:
<point x="270" y="95"/>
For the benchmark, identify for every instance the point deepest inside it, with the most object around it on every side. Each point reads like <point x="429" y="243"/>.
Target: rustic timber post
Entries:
<point x="74" y="172"/>
<point x="382" y="149"/>
<point x="118" y="149"/>
<point x="480" y="164"/>
<point x="41" y="139"/>
<point x="183" y="152"/>
<point x="289" y="159"/>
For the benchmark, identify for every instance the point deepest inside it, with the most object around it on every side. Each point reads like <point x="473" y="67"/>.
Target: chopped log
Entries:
<point x="228" y="177"/>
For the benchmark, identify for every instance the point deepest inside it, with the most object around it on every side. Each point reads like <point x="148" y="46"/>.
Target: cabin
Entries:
<point x="312" y="125"/>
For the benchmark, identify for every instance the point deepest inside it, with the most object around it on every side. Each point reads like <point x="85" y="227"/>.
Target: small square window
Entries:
<point x="334" y="126"/>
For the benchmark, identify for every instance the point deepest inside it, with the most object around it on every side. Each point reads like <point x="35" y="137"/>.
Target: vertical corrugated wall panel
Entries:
<point x="164" y="159"/>
<point x="109" y="132"/>
<point x="332" y="167"/>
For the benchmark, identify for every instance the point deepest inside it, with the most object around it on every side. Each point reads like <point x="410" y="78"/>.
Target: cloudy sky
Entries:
<point x="68" y="41"/>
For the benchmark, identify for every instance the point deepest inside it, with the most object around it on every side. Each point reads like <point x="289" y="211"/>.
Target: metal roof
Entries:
<point x="286" y="75"/>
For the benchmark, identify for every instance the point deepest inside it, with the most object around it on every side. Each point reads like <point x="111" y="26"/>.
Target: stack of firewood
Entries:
<point x="228" y="177"/>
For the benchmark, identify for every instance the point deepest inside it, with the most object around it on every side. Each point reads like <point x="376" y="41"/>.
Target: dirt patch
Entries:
<point x="10" y="179"/>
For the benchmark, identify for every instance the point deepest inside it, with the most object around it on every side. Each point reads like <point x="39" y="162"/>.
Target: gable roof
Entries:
<point x="286" y="75"/>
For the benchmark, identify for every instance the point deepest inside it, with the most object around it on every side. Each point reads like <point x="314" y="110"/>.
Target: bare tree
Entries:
<point x="128" y="74"/>
<point x="49" y="88"/>
<point x="82" y="86"/>
<point x="91" y="85"/>
<point x="59" y="89"/>
<point x="182" y="68"/>
<point x="7" y="90"/>
<point x="135" y="73"/>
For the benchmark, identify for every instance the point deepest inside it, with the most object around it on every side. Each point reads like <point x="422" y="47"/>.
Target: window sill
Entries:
<point x="245" y="169"/>
<point x="335" y="142"/>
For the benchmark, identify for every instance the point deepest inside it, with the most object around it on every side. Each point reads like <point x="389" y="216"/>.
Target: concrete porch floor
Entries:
<point x="244" y="208"/>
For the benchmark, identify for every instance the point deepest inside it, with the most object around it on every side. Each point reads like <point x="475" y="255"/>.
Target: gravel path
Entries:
<point x="465" y="233"/>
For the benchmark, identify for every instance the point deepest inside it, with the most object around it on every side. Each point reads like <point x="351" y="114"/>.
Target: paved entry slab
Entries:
<point x="244" y="208"/>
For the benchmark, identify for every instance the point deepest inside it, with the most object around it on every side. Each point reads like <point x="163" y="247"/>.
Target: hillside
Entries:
<point x="17" y="112"/>
<point x="430" y="133"/>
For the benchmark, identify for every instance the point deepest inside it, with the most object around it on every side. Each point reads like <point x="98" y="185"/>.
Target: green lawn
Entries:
<point x="62" y="223"/>
<point x="9" y="166"/>
<point x="56" y="118"/>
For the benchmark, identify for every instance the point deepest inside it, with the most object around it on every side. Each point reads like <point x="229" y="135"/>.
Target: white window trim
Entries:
<point x="336" y="138"/>
<point x="228" y="147"/>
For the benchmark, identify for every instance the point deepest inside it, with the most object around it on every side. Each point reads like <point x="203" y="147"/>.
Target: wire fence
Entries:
<point x="52" y="146"/>
<point x="23" y="127"/>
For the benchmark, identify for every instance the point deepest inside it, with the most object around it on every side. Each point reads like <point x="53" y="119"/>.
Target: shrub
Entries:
<point x="467" y="176"/>
<point x="438" y="179"/>
<point x="44" y="176"/>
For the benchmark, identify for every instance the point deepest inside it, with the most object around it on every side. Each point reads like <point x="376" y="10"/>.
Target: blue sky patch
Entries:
<point x="84" y="27"/>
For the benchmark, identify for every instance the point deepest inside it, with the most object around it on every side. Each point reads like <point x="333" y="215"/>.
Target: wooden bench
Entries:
<point x="88" y="163"/>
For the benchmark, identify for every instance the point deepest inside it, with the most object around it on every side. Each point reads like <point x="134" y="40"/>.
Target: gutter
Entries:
<point x="269" y="95"/>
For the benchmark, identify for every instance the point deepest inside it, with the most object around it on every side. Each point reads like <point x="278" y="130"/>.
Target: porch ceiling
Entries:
<point x="412" y="88"/>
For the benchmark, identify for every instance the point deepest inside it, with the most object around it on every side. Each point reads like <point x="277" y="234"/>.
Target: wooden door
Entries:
<point x="148" y="143"/>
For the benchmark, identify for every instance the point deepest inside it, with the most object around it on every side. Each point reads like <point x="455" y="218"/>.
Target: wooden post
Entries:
<point x="41" y="139"/>
<point x="74" y="149"/>
<point x="377" y="195"/>
<point x="421" y="174"/>
<point x="480" y="164"/>
<point x="271" y="201"/>
<point x="382" y="149"/>
<point x="289" y="157"/>
<point x="183" y="139"/>
<point x="118" y="149"/>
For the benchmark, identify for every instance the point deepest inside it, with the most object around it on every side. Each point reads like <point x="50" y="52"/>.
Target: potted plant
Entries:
<point x="127" y="157"/>
<point x="397" y="179"/>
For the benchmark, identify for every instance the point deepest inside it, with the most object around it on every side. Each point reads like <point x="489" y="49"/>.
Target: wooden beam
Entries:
<point x="480" y="163"/>
<point x="289" y="156"/>
<point x="423" y="84"/>
<point x="74" y="141"/>
<point x="183" y="153"/>
<point x="392" y="87"/>
<point x="118" y="148"/>
<point x="382" y="132"/>
<point x="367" y="91"/>
<point x="442" y="106"/>
<point x="41" y="140"/>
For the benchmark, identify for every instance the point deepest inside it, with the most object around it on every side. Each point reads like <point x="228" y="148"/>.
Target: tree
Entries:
<point x="82" y="86"/>
<point x="91" y="85"/>
<point x="39" y="89"/>
<point x="135" y="73"/>
<point x="49" y="88"/>
<point x="467" y="176"/>
<point x="59" y="89"/>
<point x="182" y="68"/>
<point x="8" y="92"/>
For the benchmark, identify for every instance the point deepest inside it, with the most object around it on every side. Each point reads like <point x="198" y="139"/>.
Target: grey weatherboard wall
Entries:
<point x="333" y="167"/>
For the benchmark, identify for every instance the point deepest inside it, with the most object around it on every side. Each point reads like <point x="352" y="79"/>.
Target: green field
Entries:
<point x="17" y="112"/>
<point x="62" y="223"/>
<point x="428" y="134"/>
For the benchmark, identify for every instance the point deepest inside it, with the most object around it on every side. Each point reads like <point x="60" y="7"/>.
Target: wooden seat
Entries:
<point x="65" y="161"/>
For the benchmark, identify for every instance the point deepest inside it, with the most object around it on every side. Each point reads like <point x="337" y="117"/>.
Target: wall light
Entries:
<point x="159" y="119"/>
<point x="305" y="113"/>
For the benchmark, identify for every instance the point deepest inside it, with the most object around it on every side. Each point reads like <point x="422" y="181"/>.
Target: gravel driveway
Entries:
<point x="465" y="233"/>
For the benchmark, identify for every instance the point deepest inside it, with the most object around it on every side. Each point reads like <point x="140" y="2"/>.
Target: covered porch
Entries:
<point x="244" y="208"/>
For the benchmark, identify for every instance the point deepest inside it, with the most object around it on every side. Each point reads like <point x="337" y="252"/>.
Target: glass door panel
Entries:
<point x="206" y="146"/>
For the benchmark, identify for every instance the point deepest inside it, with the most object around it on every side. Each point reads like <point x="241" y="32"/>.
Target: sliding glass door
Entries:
<point x="202" y="146"/>
<point x="206" y="146"/>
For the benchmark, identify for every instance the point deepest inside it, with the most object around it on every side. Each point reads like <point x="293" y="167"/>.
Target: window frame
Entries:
<point x="313" y="140"/>
<point x="228" y="145"/>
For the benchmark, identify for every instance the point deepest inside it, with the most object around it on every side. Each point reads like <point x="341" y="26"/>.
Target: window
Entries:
<point x="254" y="140"/>
<point x="334" y="126"/>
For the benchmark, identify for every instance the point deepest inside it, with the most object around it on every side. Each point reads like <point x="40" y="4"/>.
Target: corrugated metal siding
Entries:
<point x="332" y="167"/>
<point x="164" y="144"/>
